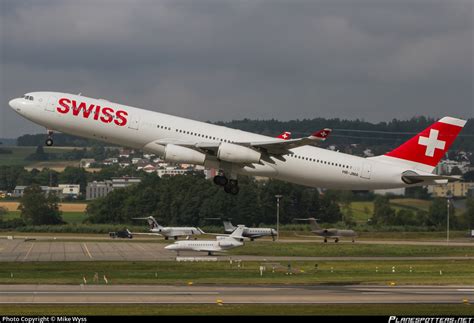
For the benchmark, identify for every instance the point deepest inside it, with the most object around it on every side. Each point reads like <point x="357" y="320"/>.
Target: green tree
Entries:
<point x="438" y="213"/>
<point x="383" y="213"/>
<point x="37" y="209"/>
<point x="470" y="212"/>
<point x="39" y="154"/>
<point x="3" y="212"/>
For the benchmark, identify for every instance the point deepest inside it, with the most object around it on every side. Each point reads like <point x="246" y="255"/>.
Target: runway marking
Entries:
<point x="237" y="302"/>
<point x="87" y="250"/>
<point x="29" y="250"/>
<point x="107" y="293"/>
<point x="465" y="290"/>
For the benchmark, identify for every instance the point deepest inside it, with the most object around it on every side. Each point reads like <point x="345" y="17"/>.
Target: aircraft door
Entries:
<point x="50" y="104"/>
<point x="134" y="122"/>
<point x="366" y="171"/>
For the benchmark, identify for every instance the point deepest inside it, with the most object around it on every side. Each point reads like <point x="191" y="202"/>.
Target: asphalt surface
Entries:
<point x="20" y="250"/>
<point x="142" y="294"/>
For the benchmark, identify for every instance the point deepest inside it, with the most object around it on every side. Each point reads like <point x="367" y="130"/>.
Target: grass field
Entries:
<point x="362" y="211"/>
<point x="241" y="309"/>
<point x="17" y="157"/>
<point x="168" y="272"/>
<point x="65" y="207"/>
<point x="350" y="250"/>
<point x="412" y="203"/>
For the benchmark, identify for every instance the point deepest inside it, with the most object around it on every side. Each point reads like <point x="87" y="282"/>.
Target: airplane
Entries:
<point x="329" y="233"/>
<point x="234" y="152"/>
<point x="251" y="233"/>
<point x="222" y="243"/>
<point x="169" y="232"/>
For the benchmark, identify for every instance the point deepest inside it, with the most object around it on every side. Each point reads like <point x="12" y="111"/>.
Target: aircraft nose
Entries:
<point x="14" y="104"/>
<point x="169" y="247"/>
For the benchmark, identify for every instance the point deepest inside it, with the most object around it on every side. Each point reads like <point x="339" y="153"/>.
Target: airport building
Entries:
<point x="62" y="190"/>
<point x="456" y="189"/>
<point x="96" y="189"/>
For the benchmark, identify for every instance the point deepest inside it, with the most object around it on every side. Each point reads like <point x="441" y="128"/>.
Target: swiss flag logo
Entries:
<point x="430" y="145"/>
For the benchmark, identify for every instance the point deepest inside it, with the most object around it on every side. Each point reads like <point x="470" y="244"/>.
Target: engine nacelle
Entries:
<point x="225" y="244"/>
<point x="237" y="154"/>
<point x="179" y="154"/>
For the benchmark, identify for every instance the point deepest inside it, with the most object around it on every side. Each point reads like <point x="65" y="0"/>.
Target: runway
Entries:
<point x="21" y="251"/>
<point x="143" y="294"/>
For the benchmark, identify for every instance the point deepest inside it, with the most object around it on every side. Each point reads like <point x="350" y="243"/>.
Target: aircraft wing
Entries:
<point x="146" y="233"/>
<point x="279" y="147"/>
<point x="275" y="146"/>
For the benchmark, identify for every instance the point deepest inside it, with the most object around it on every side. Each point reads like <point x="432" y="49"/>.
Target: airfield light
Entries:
<point x="278" y="197"/>
<point x="449" y="197"/>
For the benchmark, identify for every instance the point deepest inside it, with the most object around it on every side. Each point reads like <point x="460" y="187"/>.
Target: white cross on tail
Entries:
<point x="432" y="143"/>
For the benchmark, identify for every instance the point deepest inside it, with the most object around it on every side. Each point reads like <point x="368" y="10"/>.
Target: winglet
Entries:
<point x="321" y="134"/>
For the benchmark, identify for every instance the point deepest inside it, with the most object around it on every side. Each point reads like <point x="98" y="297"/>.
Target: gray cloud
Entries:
<point x="219" y="60"/>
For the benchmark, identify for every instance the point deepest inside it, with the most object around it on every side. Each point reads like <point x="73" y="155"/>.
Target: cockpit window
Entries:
<point x="31" y="98"/>
<point x="27" y="97"/>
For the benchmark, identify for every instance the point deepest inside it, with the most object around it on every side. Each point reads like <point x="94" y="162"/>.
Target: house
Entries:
<point x="86" y="162"/>
<point x="456" y="189"/>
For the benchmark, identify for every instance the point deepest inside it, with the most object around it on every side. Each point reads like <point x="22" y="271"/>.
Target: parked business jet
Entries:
<point x="222" y="243"/>
<point x="251" y="233"/>
<point x="332" y="233"/>
<point x="236" y="152"/>
<point x="169" y="232"/>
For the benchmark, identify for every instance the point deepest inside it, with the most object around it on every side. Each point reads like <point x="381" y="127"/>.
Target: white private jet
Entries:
<point x="222" y="243"/>
<point x="169" y="232"/>
<point x="236" y="152"/>
<point x="251" y="233"/>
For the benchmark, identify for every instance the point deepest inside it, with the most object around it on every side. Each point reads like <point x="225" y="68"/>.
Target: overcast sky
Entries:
<point x="224" y="60"/>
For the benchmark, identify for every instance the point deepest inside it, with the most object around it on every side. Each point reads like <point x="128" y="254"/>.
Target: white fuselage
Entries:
<point x="141" y="129"/>
<point x="176" y="231"/>
<point x="205" y="245"/>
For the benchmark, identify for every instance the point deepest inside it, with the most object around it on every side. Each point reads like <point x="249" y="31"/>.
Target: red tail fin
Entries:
<point x="285" y="135"/>
<point x="430" y="145"/>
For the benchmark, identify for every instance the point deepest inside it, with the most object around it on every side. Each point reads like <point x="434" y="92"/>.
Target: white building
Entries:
<point x="100" y="189"/>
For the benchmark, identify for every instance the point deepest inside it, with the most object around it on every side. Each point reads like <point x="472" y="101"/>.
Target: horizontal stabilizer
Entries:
<point x="414" y="178"/>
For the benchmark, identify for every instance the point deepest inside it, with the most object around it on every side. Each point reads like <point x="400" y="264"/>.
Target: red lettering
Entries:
<point x="97" y="112"/>
<point x="63" y="102"/>
<point x="86" y="111"/>
<point x="107" y="115"/>
<point x="122" y="116"/>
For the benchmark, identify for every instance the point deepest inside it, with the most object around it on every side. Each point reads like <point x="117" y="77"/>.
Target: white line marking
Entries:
<point x="29" y="250"/>
<point x="87" y="250"/>
<point x="111" y="293"/>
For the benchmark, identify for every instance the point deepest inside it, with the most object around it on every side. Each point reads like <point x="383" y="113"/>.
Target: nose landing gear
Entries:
<point x="49" y="140"/>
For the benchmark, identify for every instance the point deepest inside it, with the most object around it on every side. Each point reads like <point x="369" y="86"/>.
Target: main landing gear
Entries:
<point x="49" y="140"/>
<point x="230" y="186"/>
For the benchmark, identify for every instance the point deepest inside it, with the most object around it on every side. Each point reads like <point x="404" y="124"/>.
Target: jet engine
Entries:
<point x="224" y="244"/>
<point x="179" y="154"/>
<point x="237" y="154"/>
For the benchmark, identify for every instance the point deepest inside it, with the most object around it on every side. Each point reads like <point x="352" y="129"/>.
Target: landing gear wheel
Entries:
<point x="232" y="187"/>
<point x="220" y="180"/>
<point x="325" y="240"/>
<point x="336" y="241"/>
<point x="49" y="142"/>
